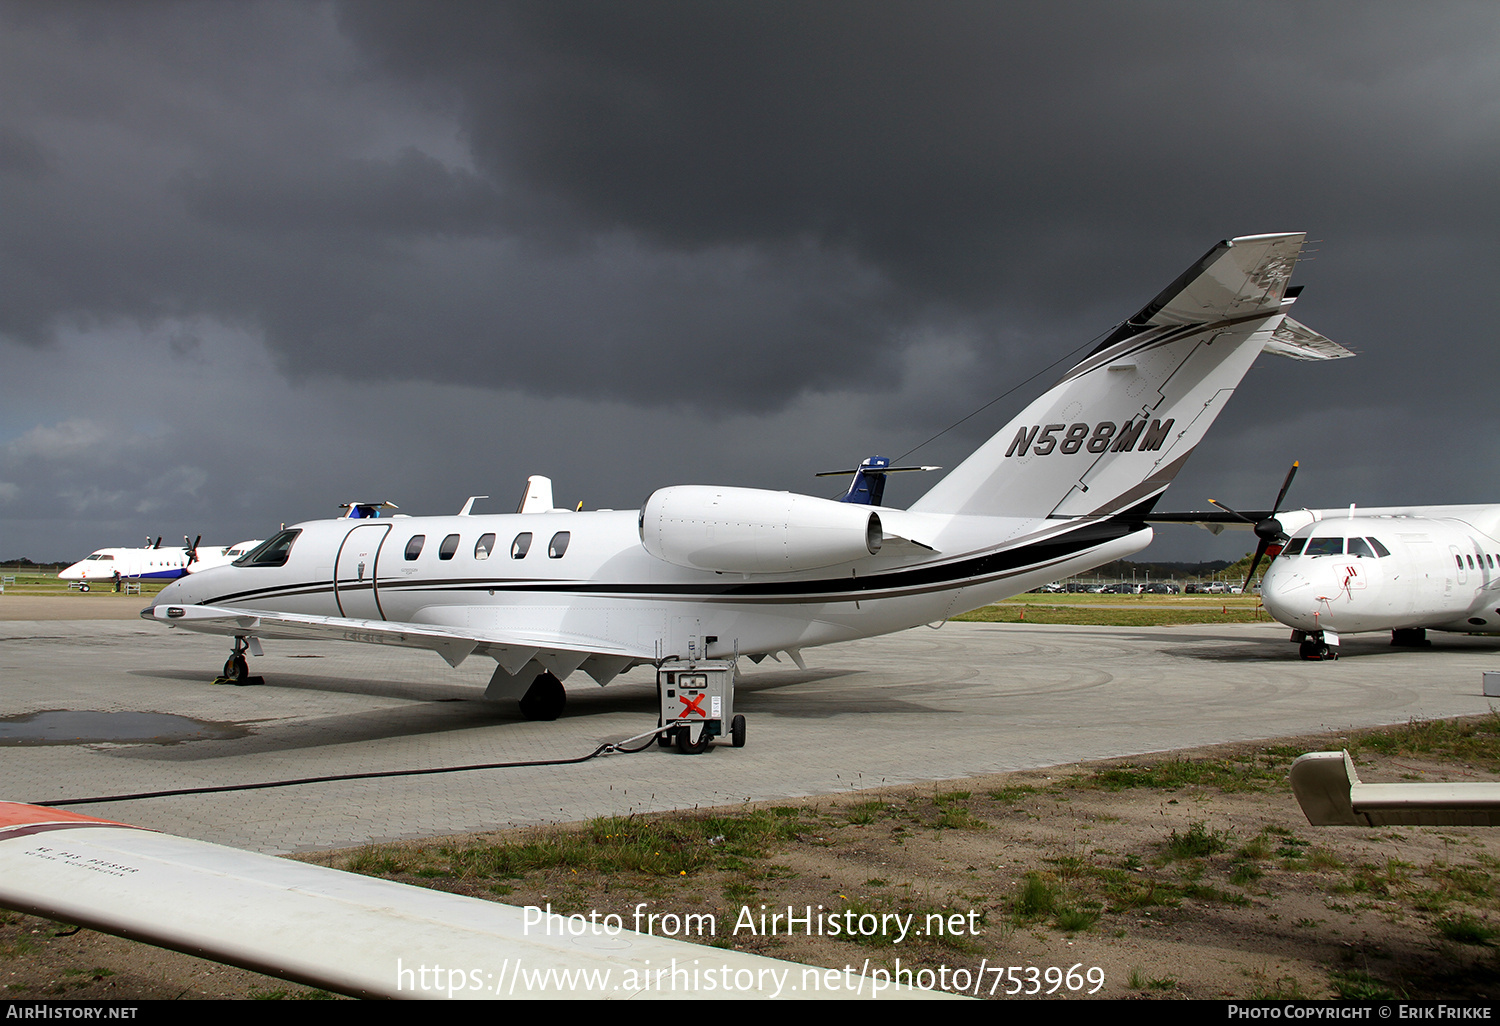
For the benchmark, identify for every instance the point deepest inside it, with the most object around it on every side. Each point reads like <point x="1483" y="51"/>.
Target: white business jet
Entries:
<point x="151" y="563"/>
<point x="715" y="571"/>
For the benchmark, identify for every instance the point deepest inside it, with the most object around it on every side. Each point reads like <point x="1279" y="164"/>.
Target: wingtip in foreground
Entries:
<point x="359" y="935"/>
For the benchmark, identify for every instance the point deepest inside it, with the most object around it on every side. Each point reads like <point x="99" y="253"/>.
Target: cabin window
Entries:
<point x="414" y="547"/>
<point x="521" y="545"/>
<point x="449" y="547"/>
<point x="271" y="552"/>
<point x="1380" y="549"/>
<point x="1357" y="547"/>
<point x="1459" y="560"/>
<point x="1294" y="547"/>
<point x="1325" y="547"/>
<point x="559" y="544"/>
<point x="1471" y="561"/>
<point x="484" y="546"/>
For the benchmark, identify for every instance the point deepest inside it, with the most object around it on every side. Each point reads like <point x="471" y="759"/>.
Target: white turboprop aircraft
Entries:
<point x="152" y="563"/>
<point x="710" y="571"/>
<point x="1403" y="569"/>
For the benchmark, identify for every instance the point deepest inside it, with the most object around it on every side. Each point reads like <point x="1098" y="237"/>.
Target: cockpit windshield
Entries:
<point x="271" y="552"/>
<point x="1324" y="547"/>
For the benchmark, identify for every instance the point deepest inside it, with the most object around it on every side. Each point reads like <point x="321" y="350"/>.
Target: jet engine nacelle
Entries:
<point x="751" y="530"/>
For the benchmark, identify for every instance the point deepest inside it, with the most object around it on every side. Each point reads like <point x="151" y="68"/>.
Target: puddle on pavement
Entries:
<point x="69" y="727"/>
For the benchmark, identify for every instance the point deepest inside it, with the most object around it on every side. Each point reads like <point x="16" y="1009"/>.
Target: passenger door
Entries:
<point x="354" y="572"/>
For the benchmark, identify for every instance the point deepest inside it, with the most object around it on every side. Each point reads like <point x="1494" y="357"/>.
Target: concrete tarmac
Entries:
<point x="965" y="700"/>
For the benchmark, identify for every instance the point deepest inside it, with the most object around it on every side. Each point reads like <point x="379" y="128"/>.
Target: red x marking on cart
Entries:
<point x="693" y="706"/>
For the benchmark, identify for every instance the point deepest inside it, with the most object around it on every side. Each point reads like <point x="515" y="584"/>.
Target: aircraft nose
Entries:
<point x="178" y="593"/>
<point x="1287" y="595"/>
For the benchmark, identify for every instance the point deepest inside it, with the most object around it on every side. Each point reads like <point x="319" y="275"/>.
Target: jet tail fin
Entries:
<point x="1113" y="433"/>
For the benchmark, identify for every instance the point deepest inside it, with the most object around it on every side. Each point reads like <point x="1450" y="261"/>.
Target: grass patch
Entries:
<point x="1263" y="773"/>
<point x="1475" y="740"/>
<point x="1358" y="986"/>
<point x="1466" y="929"/>
<point x="1199" y="841"/>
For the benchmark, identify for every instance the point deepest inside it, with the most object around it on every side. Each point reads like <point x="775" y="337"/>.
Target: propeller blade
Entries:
<point x="1284" y="486"/>
<point x="1226" y="509"/>
<point x="1260" y="550"/>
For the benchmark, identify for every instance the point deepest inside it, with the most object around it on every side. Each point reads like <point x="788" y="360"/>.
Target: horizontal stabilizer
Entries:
<point x="1237" y="278"/>
<point x="1299" y="342"/>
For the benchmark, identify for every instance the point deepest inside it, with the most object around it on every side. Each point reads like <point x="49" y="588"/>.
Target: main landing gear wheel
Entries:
<point x="685" y="743"/>
<point x="545" y="699"/>
<point x="236" y="670"/>
<point x="83" y="587"/>
<point x="737" y="731"/>
<point x="1315" y="649"/>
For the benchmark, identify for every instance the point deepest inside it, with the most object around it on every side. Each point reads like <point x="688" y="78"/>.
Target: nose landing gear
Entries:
<point x="1316" y="645"/>
<point x="236" y="669"/>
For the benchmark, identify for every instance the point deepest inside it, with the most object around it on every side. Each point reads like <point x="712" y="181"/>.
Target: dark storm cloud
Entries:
<point x="777" y="195"/>
<point x="964" y="148"/>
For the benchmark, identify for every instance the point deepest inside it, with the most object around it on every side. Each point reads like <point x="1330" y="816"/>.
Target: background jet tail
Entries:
<point x="1114" y="432"/>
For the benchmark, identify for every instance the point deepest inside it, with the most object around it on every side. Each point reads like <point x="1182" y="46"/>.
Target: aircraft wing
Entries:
<point x="557" y="651"/>
<point x="354" y="934"/>
<point x="1331" y="794"/>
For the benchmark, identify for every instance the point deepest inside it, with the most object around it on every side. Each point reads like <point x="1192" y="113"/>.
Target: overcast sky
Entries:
<point x="257" y="259"/>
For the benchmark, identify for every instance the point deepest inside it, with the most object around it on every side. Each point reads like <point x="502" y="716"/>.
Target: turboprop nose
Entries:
<point x="1287" y="595"/>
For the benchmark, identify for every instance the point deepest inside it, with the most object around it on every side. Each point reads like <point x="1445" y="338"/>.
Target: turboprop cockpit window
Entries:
<point x="521" y="545"/>
<point x="559" y="544"/>
<point x="1357" y="547"/>
<point x="449" y="547"/>
<point x="484" y="546"/>
<point x="1380" y="549"/>
<point x="1324" y="547"/>
<point x="1294" y="547"/>
<point x="271" y="552"/>
<point x="414" y="547"/>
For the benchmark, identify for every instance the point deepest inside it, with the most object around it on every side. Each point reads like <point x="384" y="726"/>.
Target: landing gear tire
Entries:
<point x="737" y="731"/>
<point x="685" y="743"/>
<point x="1315" y="649"/>
<point x="83" y="587"/>
<point x="236" y="670"/>
<point x="545" y="699"/>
